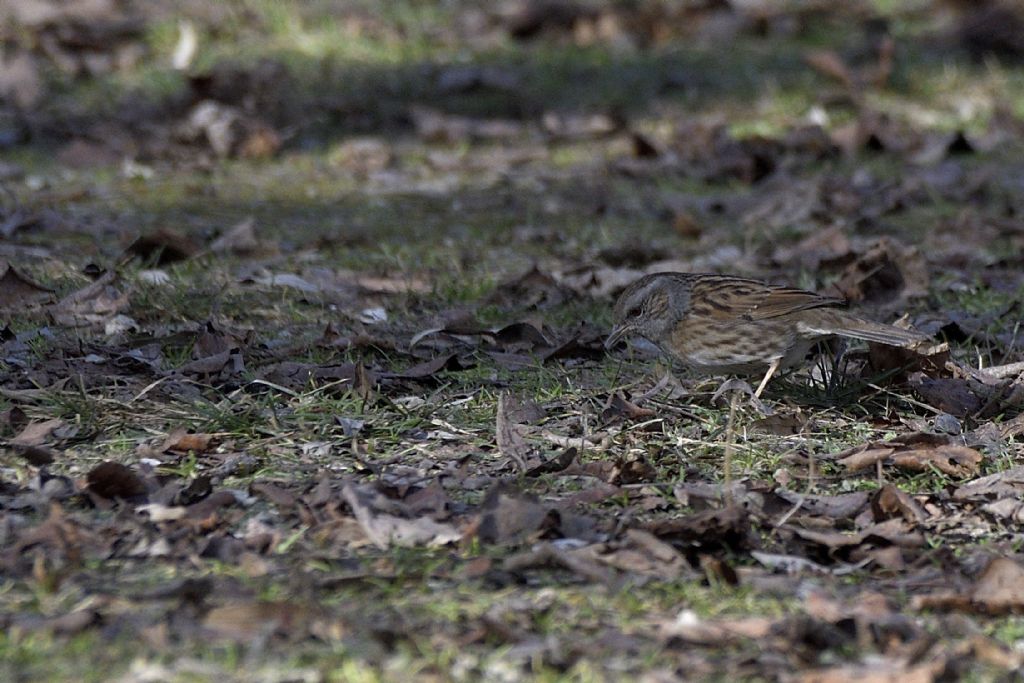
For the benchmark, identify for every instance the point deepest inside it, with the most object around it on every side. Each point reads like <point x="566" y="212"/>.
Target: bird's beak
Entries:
<point x="619" y="332"/>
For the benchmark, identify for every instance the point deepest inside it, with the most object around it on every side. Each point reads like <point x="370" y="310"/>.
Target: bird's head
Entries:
<point x="651" y="307"/>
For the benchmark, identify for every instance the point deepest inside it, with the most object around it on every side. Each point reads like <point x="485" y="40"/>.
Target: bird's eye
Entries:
<point x="634" y="311"/>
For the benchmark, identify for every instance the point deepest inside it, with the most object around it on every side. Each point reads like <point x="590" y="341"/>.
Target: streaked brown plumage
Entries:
<point x="721" y="324"/>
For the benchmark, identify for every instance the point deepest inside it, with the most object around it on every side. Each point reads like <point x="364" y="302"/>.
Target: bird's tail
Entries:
<point x="852" y="327"/>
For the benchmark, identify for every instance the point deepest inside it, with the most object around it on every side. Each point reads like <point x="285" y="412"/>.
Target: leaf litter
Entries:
<point x="287" y="440"/>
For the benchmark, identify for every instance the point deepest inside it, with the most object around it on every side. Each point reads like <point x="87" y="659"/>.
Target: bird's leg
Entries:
<point x="772" y="367"/>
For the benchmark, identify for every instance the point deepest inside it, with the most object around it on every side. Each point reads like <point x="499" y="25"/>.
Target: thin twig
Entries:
<point x="730" y="446"/>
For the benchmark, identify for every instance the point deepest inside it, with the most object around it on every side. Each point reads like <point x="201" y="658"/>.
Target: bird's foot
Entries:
<point x="742" y="387"/>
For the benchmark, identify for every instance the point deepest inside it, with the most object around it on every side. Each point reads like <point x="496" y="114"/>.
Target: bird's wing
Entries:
<point x="731" y="298"/>
<point x="782" y="300"/>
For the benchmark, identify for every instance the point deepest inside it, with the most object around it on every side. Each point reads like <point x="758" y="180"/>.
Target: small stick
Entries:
<point x="812" y="472"/>
<point x="1004" y="371"/>
<point x="730" y="446"/>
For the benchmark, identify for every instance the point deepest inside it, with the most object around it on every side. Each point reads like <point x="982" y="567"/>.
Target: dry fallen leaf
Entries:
<point x="17" y="291"/>
<point x="36" y="455"/>
<point x="114" y="480"/>
<point x="865" y="458"/>
<point x="999" y="589"/>
<point x="690" y="628"/>
<point x="96" y="304"/>
<point x="162" y="513"/>
<point x="19" y="79"/>
<point x="1006" y="484"/>
<point x="245" y="621"/>
<point x="288" y="280"/>
<point x="435" y="126"/>
<point x="889" y="501"/>
<point x="577" y="560"/>
<point x="830" y="64"/>
<point x="36" y="433"/>
<point x="509" y="435"/>
<point x="362" y="156"/>
<point x="508" y="516"/>
<point x="879" y="670"/>
<point x="239" y="239"/>
<point x="163" y="246"/>
<point x="229" y="131"/>
<point x="428" y="370"/>
<point x="916" y="452"/>
<point x="956" y="461"/>
<point x="885" y="272"/>
<point x="386" y="530"/>
<point x="181" y="441"/>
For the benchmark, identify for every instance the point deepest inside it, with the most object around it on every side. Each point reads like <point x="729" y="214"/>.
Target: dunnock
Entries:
<point x="725" y="324"/>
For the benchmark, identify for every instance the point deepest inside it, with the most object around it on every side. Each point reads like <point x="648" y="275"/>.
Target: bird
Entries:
<point x="725" y="324"/>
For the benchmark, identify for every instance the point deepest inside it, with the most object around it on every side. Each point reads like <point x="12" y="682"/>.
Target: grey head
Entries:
<point x="651" y="307"/>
